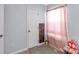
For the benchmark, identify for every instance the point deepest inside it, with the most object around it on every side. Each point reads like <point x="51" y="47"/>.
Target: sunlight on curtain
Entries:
<point x="56" y="22"/>
<point x="55" y="19"/>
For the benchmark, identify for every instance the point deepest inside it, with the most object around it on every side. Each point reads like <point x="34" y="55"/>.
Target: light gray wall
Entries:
<point x="73" y="21"/>
<point x="41" y="13"/>
<point x="15" y="28"/>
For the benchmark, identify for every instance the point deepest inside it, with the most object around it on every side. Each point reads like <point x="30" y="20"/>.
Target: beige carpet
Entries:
<point x="44" y="49"/>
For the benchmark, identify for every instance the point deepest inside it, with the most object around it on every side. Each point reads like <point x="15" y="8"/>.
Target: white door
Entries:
<point x="32" y="28"/>
<point x="1" y="28"/>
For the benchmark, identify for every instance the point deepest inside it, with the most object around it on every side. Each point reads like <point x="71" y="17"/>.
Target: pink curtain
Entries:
<point x="56" y="26"/>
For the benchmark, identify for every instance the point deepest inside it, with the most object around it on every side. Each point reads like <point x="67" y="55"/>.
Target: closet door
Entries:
<point x="1" y="29"/>
<point x="56" y="27"/>
<point x="32" y="27"/>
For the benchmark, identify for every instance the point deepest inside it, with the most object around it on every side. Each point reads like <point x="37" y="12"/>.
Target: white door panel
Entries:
<point x="1" y="46"/>
<point x="32" y="29"/>
<point x="1" y="28"/>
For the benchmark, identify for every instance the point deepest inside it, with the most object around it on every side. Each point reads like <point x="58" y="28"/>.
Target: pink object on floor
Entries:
<point x="71" y="47"/>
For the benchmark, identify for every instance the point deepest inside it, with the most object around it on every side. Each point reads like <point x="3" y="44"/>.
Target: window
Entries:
<point x="56" y="21"/>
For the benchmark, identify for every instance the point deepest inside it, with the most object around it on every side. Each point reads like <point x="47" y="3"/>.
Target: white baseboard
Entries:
<point x="25" y="49"/>
<point x="41" y="44"/>
<point x="16" y="52"/>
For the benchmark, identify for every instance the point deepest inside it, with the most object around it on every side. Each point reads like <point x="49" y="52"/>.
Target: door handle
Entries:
<point x="1" y="36"/>
<point x="29" y="31"/>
